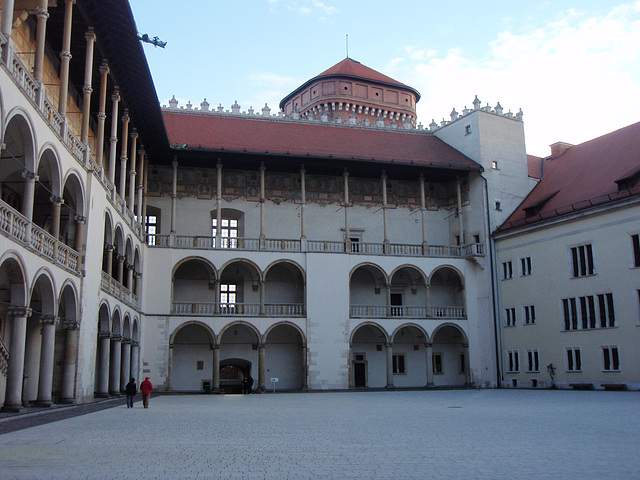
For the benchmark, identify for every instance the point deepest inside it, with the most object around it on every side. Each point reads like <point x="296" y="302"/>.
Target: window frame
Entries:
<point x="526" y="269"/>
<point x="533" y="360"/>
<point x="510" y="317"/>
<point x="529" y="317"/>
<point x="507" y="270"/>
<point x="610" y="358"/>
<point x="581" y="261"/>
<point x="513" y="361"/>
<point x="399" y="360"/>
<point x="573" y="362"/>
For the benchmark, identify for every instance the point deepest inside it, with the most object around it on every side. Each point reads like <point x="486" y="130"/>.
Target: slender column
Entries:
<point x="261" y="366"/>
<point x="125" y="367"/>
<point x="388" y="294"/>
<point x="423" y="212"/>
<point x="132" y="172"/>
<point x="262" y="202"/>
<point x="174" y="195"/>
<point x="219" y="206"/>
<point x="460" y="224"/>
<point x="69" y="366"/>
<point x="129" y="276"/>
<point x="81" y="224"/>
<point x="114" y="371"/>
<point x="42" y="14"/>
<point x="113" y="140"/>
<point x="389" y="349"/>
<point x="102" y="116"/>
<point x="7" y="18"/>
<point x="305" y="368"/>
<point x="45" y="380"/>
<point x="135" y="360"/>
<point x="109" y="259"/>
<point x="303" y="197"/>
<point x="141" y="178"/>
<point x="262" y="296"/>
<point x="65" y="58"/>
<point x="347" y="235"/>
<point x="429" y="364"/>
<point x="123" y="154"/>
<point x="87" y="87"/>
<point x="216" y="369"/>
<point x="144" y="197"/>
<point x="15" y="372"/>
<point x="56" y="205"/>
<point x="103" y="373"/>
<point x="120" y="277"/>
<point x="384" y="212"/>
<point x="216" y="307"/>
<point x="467" y="371"/>
<point x="29" y="193"/>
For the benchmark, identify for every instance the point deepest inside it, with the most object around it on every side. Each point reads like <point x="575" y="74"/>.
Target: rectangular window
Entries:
<point x="228" y="295"/>
<point x="574" y="359"/>
<point x="228" y="232"/>
<point x="607" y="314"/>
<point x="570" y="311"/>
<point x="533" y="361"/>
<point x="610" y="359"/>
<point x="461" y="365"/>
<point x="437" y="363"/>
<point x="507" y="270"/>
<point x="510" y="317"/>
<point x="399" y="364"/>
<point x="525" y="266"/>
<point x="513" y="361"/>
<point x="152" y="229"/>
<point x="529" y="315"/>
<point x="582" y="260"/>
<point x="635" y="245"/>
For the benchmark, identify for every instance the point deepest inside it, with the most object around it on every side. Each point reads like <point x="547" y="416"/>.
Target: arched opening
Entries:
<point x="446" y="294"/>
<point x="409" y="358"/>
<point x="127" y="280"/>
<point x="117" y="257"/>
<point x="450" y="356"/>
<point x="284" y="349"/>
<point x="408" y="293"/>
<point x="17" y="158"/>
<point x="72" y="212"/>
<point x="368" y="357"/>
<point x="66" y="347"/>
<point x="192" y="358"/>
<point x="194" y="288"/>
<point x="238" y="355"/>
<point x="284" y="290"/>
<point x="101" y="380"/>
<point x="368" y="292"/>
<point x="107" y="252"/>
<point x="115" y="361"/>
<point x="47" y="192"/>
<point x="240" y="289"/>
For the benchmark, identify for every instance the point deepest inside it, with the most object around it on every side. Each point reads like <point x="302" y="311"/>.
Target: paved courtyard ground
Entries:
<point x="459" y="434"/>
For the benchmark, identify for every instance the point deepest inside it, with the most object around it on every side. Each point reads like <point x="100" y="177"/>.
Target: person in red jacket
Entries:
<point x="145" y="389"/>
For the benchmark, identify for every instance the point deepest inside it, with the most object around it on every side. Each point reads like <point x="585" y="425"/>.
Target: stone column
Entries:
<point x="144" y="196"/>
<point x="389" y="308"/>
<point x="429" y="364"/>
<point x="69" y="366"/>
<point x="216" y="306"/>
<point x="303" y="202"/>
<point x="123" y="154"/>
<point x="102" y="116"/>
<point x="423" y="212"/>
<point x="42" y="14"/>
<point x="45" y="380"/>
<point x="218" y="239"/>
<point x="216" y="369"/>
<point x="129" y="276"/>
<point x="120" y="277"/>
<point x="87" y="87"/>
<point x="142" y="180"/>
<point x="384" y="212"/>
<point x="262" y="296"/>
<point x="460" y="224"/>
<point x="132" y="172"/>
<point x="261" y="366"/>
<point x="125" y="367"/>
<point x="65" y="58"/>
<point x="109" y="259"/>
<point x="347" y="235"/>
<point x="17" y="347"/>
<point x="56" y="205"/>
<point x="29" y="193"/>
<point x="135" y="360"/>
<point x="305" y="368"/>
<point x="103" y="373"/>
<point x="7" y="18"/>
<point x="389" y="350"/>
<point x="114" y="370"/>
<point x="113" y="140"/>
<point x="262" y="202"/>
<point x="81" y="226"/>
<point x="174" y="195"/>
<point x="467" y="371"/>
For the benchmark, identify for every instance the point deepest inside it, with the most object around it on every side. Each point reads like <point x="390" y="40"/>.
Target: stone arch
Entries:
<point x="137" y="271"/>
<point x="408" y="292"/>
<point x="13" y="281"/>
<point x="284" y="284"/>
<point x="193" y="286"/>
<point x="368" y="357"/>
<point x="450" y="355"/>
<point x="135" y="330"/>
<point x="285" y="355"/>
<point x="127" y="278"/>
<point x="68" y="304"/>
<point x="367" y="291"/>
<point x="446" y="293"/>
<point x="126" y="326"/>
<point x="104" y="318"/>
<point x="191" y="346"/>
<point x="409" y="356"/>
<point x="116" y="322"/>
<point x="101" y="371"/>
<point x="107" y="250"/>
<point x="66" y="344"/>
<point x="117" y="257"/>
<point x="422" y="331"/>
<point x="239" y="347"/>
<point x="19" y="151"/>
<point x="44" y="289"/>
<point x="47" y="190"/>
<point x="240" y="281"/>
<point x="73" y="208"/>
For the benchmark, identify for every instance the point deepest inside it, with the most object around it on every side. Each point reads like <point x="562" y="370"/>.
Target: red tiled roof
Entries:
<point x="583" y="176"/>
<point x="352" y="68"/>
<point x="534" y="165"/>
<point x="297" y="138"/>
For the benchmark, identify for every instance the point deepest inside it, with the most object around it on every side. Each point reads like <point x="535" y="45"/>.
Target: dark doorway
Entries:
<point x="232" y="371"/>
<point x="359" y="374"/>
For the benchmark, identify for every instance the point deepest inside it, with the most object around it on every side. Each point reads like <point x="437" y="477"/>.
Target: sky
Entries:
<point x="572" y="66"/>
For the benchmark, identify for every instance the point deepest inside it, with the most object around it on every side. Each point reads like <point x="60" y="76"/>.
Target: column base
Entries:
<point x="101" y="395"/>
<point x="43" y="403"/>
<point x="431" y="385"/>
<point x="12" y="408"/>
<point x="115" y="394"/>
<point x="390" y="387"/>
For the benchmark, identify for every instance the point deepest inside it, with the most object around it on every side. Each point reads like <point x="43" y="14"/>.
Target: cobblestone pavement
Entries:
<point x="460" y="434"/>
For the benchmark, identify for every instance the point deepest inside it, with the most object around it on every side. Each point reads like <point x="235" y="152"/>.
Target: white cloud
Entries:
<point x="306" y="7"/>
<point x="575" y="78"/>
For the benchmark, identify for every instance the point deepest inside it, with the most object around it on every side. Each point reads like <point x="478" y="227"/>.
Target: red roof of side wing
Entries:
<point x="230" y="133"/>
<point x="585" y="175"/>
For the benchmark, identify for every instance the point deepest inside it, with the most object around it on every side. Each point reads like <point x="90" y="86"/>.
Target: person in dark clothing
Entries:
<point x="249" y="384"/>
<point x="130" y="389"/>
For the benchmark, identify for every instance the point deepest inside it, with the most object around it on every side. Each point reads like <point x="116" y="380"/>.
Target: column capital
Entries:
<point x="30" y="176"/>
<point x="40" y="12"/>
<point x="127" y="341"/>
<point x="120" y="258"/>
<point x="66" y="54"/>
<point x="87" y="89"/>
<point x="134" y="133"/>
<point x="71" y="324"/>
<point x="80" y="219"/>
<point x="104" y="334"/>
<point x="428" y="344"/>
<point x="102" y="116"/>
<point x="125" y="116"/>
<point x="49" y="320"/>
<point x="56" y="200"/>
<point x="116" y="95"/>
<point x="90" y="35"/>
<point x="109" y="248"/>
<point x="20" y="311"/>
<point x="104" y="68"/>
<point x="116" y="338"/>
<point x="134" y="343"/>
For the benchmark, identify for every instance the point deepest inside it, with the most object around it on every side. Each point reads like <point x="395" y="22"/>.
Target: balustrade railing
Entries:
<point x="21" y="73"/>
<point x="12" y="223"/>
<point x="182" y="307"/>
<point x="282" y="245"/>
<point x="406" y="311"/>
<point x="284" y="309"/>
<point x="116" y="289"/>
<point x="244" y="309"/>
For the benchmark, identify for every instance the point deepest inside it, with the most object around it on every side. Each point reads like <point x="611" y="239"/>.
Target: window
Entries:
<point x="529" y="314"/>
<point x="152" y="229"/>
<point x="593" y="314"/>
<point x="610" y="359"/>
<point x="582" y="260"/>
<point x="533" y="361"/>
<point x="510" y="317"/>
<point x="498" y="205"/>
<point x="399" y="364"/>
<point x="607" y="314"/>
<point x="588" y="311"/>
<point x="228" y="232"/>
<point x="228" y="295"/>
<point x="570" y="313"/>
<point x="507" y="270"/>
<point x="525" y="266"/>
<point x="200" y="365"/>
<point x="494" y="164"/>
<point x="574" y="359"/>
<point x="635" y="245"/>
<point x="513" y="361"/>
<point x="437" y="363"/>
<point x="467" y="129"/>
<point x="462" y="364"/>
<point x="355" y="244"/>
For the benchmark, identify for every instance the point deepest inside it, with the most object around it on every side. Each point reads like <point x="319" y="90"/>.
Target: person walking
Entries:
<point x="145" y="388"/>
<point x="130" y="389"/>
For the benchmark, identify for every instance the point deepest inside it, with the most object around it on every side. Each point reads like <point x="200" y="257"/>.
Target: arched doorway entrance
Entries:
<point x="409" y="360"/>
<point x="285" y="360"/>
<point x="192" y="358"/>
<point x="368" y="357"/>
<point x="239" y="346"/>
<point x="450" y="356"/>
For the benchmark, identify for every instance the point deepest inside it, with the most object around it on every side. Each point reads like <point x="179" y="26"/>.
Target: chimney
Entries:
<point x="559" y="148"/>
